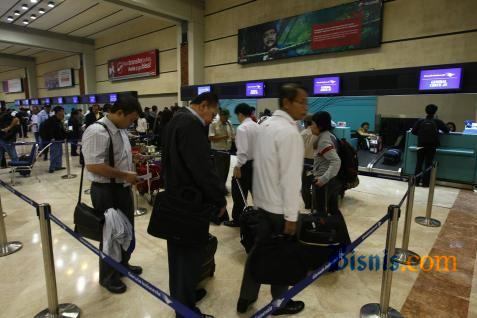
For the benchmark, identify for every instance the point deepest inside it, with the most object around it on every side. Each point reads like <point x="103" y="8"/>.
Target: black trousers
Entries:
<point x="246" y="184"/>
<point x="103" y="197"/>
<point x="425" y="156"/>
<point x="222" y="165"/>
<point x="306" y="182"/>
<point x="184" y="272"/>
<point x="250" y="288"/>
<point x="326" y="198"/>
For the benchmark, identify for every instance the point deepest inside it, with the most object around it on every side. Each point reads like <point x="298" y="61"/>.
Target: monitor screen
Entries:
<point x="60" y="100"/>
<point x="203" y="89"/>
<point x="113" y="98"/>
<point x="75" y="99"/>
<point x="35" y="102"/>
<point x="18" y="102"/>
<point x="441" y="79"/>
<point x="47" y="100"/>
<point x="326" y="85"/>
<point x="26" y="102"/>
<point x="92" y="99"/>
<point x="254" y="89"/>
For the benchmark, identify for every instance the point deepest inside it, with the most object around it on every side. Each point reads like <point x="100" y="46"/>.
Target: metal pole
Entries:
<point x="137" y="211"/>
<point x="68" y="166"/>
<point x="6" y="247"/>
<point x="428" y="220"/>
<point x="382" y="310"/>
<point x="404" y="255"/>
<point x="54" y="310"/>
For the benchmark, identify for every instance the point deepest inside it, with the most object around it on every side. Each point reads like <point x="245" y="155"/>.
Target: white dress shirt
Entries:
<point x="141" y="125"/>
<point x="245" y="141"/>
<point x="35" y="124"/>
<point x="278" y="164"/>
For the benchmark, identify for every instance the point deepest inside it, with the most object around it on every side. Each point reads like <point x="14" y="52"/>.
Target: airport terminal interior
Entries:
<point x="377" y="67"/>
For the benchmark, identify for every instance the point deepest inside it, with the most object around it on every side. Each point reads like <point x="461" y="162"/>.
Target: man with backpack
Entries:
<point x="427" y="132"/>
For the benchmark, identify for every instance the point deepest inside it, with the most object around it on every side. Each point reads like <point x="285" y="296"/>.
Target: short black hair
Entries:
<point x="154" y="108"/>
<point x="289" y="91"/>
<point x="453" y="125"/>
<point x="364" y="124"/>
<point x="308" y="120"/>
<point x="47" y="106"/>
<point x="243" y="109"/>
<point x="322" y="120"/>
<point x="128" y="104"/>
<point x="431" y="109"/>
<point x="58" y="109"/>
<point x="209" y="97"/>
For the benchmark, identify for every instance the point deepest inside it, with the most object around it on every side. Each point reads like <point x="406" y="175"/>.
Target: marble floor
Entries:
<point x="337" y="295"/>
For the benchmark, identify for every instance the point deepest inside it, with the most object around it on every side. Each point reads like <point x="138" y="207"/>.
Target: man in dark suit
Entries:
<point x="93" y="115"/>
<point x="187" y="164"/>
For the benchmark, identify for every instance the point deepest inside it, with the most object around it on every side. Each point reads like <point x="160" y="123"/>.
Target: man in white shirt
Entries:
<point x="277" y="168"/>
<point x="245" y="142"/>
<point x="310" y="142"/>
<point x="35" y="125"/>
<point x="221" y="135"/>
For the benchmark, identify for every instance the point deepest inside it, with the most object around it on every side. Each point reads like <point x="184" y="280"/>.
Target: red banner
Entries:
<point x="134" y="66"/>
<point x="337" y="34"/>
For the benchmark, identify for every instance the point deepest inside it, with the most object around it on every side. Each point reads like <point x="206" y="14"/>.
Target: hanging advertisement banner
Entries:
<point x="134" y="66"/>
<point x="59" y="79"/>
<point x="12" y="86"/>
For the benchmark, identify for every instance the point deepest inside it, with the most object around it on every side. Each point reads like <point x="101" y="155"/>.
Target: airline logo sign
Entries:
<point x="134" y="66"/>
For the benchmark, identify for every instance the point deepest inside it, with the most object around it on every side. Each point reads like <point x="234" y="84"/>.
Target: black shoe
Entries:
<point x="60" y="168"/>
<point x="51" y="171"/>
<point x="243" y="304"/>
<point x="116" y="287"/>
<point x="74" y="155"/>
<point x="136" y="270"/>
<point x="45" y="159"/>
<point x="231" y="224"/>
<point x="291" y="308"/>
<point x="200" y="294"/>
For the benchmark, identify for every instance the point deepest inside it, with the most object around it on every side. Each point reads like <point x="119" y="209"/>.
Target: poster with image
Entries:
<point x="351" y="26"/>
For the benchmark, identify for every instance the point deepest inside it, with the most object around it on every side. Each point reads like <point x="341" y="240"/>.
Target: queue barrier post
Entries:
<point x="6" y="247"/>
<point x="68" y="174"/>
<point x="383" y="310"/>
<point x="403" y="255"/>
<point x="54" y="309"/>
<point x="428" y="220"/>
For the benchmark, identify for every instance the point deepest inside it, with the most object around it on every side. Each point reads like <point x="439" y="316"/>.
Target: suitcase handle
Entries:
<point x="241" y="192"/>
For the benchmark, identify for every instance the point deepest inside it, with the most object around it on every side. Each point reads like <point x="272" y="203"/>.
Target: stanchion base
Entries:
<point x="66" y="311"/>
<point x="10" y="248"/>
<point x="406" y="257"/>
<point x="68" y="176"/>
<point x="4" y="215"/>
<point x="430" y="222"/>
<point x="374" y="311"/>
<point x="140" y="211"/>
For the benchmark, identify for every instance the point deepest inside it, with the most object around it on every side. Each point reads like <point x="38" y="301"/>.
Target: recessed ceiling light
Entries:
<point x="33" y="17"/>
<point x="51" y="4"/>
<point x="24" y="7"/>
<point x="10" y="18"/>
<point x="16" y="12"/>
<point x="25" y="21"/>
<point x="33" y="1"/>
<point x="41" y="11"/>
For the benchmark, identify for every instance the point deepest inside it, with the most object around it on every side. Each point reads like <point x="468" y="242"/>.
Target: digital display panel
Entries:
<point x="75" y="99"/>
<point x="254" y="89"/>
<point x="326" y="85"/>
<point x="203" y="89"/>
<point x="113" y="98"/>
<point x="60" y="100"/>
<point x="92" y="99"/>
<point x="441" y="79"/>
<point x="26" y="102"/>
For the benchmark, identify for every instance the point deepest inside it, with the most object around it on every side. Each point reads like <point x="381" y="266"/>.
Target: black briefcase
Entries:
<point x="88" y="221"/>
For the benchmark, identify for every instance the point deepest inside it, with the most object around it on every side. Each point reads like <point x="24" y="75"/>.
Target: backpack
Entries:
<point x="349" y="163"/>
<point x="43" y="131"/>
<point x="428" y="133"/>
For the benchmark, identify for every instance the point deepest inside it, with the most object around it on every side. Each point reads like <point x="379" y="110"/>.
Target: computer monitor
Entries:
<point x="254" y="89"/>
<point x="440" y="79"/>
<point x="326" y="85"/>
<point x="203" y="89"/>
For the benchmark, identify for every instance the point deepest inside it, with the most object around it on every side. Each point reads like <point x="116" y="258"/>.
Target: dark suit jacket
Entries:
<point x="186" y="159"/>
<point x="90" y="119"/>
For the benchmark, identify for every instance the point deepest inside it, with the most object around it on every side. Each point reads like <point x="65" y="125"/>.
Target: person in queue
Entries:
<point x="9" y="126"/>
<point x="310" y="143"/>
<point x="92" y="116"/>
<point x="43" y="115"/>
<point x="326" y="166"/>
<point x="111" y="186"/>
<point x="221" y="135"/>
<point x="427" y="132"/>
<point x="187" y="164"/>
<point x="74" y="131"/>
<point x="277" y="168"/>
<point x="363" y="135"/>
<point x="243" y="171"/>
<point x="452" y="127"/>
<point x="53" y="131"/>
<point x="35" y="126"/>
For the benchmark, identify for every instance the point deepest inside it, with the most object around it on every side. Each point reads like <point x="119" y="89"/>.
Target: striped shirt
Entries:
<point x="95" y="149"/>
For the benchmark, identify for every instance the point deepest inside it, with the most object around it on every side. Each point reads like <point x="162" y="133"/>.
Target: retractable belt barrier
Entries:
<point x="277" y="303"/>
<point x="19" y="194"/>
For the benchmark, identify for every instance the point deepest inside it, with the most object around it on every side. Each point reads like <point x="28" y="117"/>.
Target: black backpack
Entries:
<point x="349" y="163"/>
<point x="428" y="134"/>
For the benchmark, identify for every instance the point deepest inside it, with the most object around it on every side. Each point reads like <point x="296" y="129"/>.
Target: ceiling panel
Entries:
<point x="87" y="17"/>
<point x="15" y="49"/>
<point x="108" y="22"/>
<point x="5" y="6"/>
<point x="33" y="9"/>
<point x="5" y="68"/>
<point x="63" y="12"/>
<point x="30" y="51"/>
<point x="4" y="45"/>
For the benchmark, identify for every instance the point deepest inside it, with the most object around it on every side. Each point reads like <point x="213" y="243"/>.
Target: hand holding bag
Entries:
<point x="89" y="221"/>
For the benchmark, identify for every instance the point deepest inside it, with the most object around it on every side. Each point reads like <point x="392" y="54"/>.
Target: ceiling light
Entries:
<point x="41" y="11"/>
<point x="10" y="18"/>
<point x="25" y="21"/>
<point x="16" y="12"/>
<point x="51" y="4"/>
<point x="33" y="1"/>
<point x="24" y="7"/>
<point x="33" y="17"/>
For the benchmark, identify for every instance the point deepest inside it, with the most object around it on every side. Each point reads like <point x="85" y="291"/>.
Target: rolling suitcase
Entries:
<point x="392" y="157"/>
<point x="208" y="267"/>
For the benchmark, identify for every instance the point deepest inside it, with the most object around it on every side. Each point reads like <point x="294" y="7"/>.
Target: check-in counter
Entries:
<point x="345" y="132"/>
<point x="457" y="157"/>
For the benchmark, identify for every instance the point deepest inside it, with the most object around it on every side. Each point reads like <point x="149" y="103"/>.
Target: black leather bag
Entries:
<point x="89" y="221"/>
<point x="181" y="217"/>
